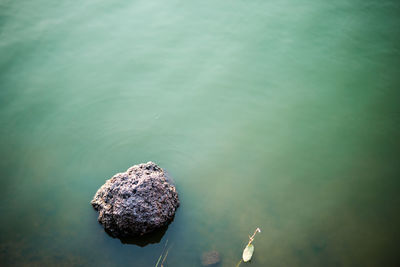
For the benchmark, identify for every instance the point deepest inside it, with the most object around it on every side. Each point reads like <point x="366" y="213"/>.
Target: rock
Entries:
<point x="210" y="258"/>
<point x="136" y="202"/>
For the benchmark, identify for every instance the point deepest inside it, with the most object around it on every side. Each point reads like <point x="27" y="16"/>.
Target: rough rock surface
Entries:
<point x="136" y="202"/>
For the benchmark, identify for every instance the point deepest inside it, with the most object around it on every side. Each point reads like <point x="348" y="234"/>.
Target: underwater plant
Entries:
<point x="162" y="253"/>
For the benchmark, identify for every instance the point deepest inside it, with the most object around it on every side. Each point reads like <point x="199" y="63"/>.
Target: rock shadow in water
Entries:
<point x="144" y="240"/>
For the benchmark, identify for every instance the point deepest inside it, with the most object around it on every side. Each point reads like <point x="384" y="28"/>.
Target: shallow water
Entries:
<point x="282" y="115"/>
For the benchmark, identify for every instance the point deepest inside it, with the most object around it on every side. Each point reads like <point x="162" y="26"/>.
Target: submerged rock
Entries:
<point x="210" y="258"/>
<point x="136" y="202"/>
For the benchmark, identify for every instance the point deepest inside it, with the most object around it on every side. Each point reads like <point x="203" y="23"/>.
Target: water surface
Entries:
<point x="282" y="115"/>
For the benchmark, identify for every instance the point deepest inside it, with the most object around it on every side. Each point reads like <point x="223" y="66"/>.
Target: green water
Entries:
<point x="282" y="115"/>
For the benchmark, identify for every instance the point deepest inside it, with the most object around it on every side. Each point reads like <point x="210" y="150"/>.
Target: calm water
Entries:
<point x="282" y="115"/>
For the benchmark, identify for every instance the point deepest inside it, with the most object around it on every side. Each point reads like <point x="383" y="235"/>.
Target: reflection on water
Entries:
<point x="144" y="240"/>
<point x="281" y="115"/>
